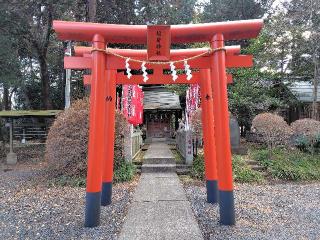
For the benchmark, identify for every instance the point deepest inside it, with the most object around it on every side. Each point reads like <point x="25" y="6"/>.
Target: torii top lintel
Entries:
<point x="137" y="34"/>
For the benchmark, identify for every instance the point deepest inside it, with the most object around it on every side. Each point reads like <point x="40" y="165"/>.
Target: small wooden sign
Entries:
<point x="159" y="42"/>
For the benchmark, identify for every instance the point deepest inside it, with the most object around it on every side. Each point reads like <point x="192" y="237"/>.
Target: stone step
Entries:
<point x="241" y="150"/>
<point x="258" y="168"/>
<point x="181" y="169"/>
<point x="172" y="147"/>
<point x="145" y="147"/>
<point x="252" y="162"/>
<point x="183" y="166"/>
<point x="137" y="164"/>
<point x="147" y="168"/>
<point x="160" y="160"/>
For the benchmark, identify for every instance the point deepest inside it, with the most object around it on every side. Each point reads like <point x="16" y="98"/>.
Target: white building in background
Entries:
<point x="303" y="90"/>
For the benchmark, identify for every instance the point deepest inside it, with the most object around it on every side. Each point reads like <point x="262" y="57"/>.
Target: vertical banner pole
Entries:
<point x="96" y="134"/>
<point x="209" y="136"/>
<point x="110" y="99"/>
<point x="67" y="90"/>
<point x="221" y="116"/>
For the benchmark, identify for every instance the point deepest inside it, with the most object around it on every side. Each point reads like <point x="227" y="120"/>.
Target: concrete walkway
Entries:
<point x="160" y="209"/>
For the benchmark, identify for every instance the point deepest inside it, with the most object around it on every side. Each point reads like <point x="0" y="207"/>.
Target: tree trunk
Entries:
<point x="6" y="100"/>
<point x="91" y="10"/>
<point x="45" y="82"/>
<point x="41" y="45"/>
<point x="314" y="114"/>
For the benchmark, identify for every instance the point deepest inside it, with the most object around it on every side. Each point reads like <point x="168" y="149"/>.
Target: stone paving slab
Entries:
<point x="162" y="220"/>
<point x="158" y="150"/>
<point x="159" y="189"/>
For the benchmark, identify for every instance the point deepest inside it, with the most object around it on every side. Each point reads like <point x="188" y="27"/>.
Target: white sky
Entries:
<point x="276" y="3"/>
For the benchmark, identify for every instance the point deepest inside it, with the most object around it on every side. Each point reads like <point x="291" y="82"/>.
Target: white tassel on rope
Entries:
<point x="144" y="71"/>
<point x="188" y="70"/>
<point x="129" y="75"/>
<point x="173" y="72"/>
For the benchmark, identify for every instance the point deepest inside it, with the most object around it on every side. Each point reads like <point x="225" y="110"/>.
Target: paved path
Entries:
<point x="160" y="209"/>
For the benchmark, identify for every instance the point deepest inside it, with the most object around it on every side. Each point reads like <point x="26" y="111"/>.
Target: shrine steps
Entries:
<point x="158" y="168"/>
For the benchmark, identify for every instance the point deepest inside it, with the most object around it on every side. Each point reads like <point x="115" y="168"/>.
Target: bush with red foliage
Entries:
<point x="273" y="129"/>
<point x="67" y="142"/>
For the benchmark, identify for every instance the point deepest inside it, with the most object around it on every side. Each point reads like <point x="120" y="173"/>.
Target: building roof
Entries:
<point x="29" y="113"/>
<point x="303" y="91"/>
<point x="158" y="97"/>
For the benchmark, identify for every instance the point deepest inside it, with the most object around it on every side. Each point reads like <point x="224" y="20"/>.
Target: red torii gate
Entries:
<point x="211" y="74"/>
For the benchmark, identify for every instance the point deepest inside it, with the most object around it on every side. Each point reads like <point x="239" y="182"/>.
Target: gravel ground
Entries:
<point x="31" y="210"/>
<point x="279" y="211"/>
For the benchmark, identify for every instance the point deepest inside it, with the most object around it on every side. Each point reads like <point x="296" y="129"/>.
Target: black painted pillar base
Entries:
<point x="212" y="191"/>
<point x="226" y="202"/>
<point x="106" y="193"/>
<point x="92" y="214"/>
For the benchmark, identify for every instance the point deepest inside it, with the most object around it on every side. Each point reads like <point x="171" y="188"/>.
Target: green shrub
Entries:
<point x="317" y="143"/>
<point x="289" y="164"/>
<point x="242" y="172"/>
<point x="197" y="169"/>
<point x="125" y="172"/>
<point x="309" y="129"/>
<point x="302" y="143"/>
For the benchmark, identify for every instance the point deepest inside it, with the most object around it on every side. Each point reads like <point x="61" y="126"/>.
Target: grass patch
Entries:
<point x="197" y="169"/>
<point x="288" y="164"/>
<point x="63" y="181"/>
<point x="177" y="156"/>
<point x="241" y="171"/>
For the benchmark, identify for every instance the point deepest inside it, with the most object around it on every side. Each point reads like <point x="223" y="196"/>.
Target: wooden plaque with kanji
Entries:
<point x="159" y="43"/>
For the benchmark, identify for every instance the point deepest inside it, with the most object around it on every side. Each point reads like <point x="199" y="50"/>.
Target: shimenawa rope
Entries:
<point x="108" y="51"/>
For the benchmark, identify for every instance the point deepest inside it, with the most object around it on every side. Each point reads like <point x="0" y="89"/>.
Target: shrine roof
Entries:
<point x="160" y="98"/>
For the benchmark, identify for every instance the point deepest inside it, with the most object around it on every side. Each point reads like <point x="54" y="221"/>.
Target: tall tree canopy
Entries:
<point x="31" y="60"/>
